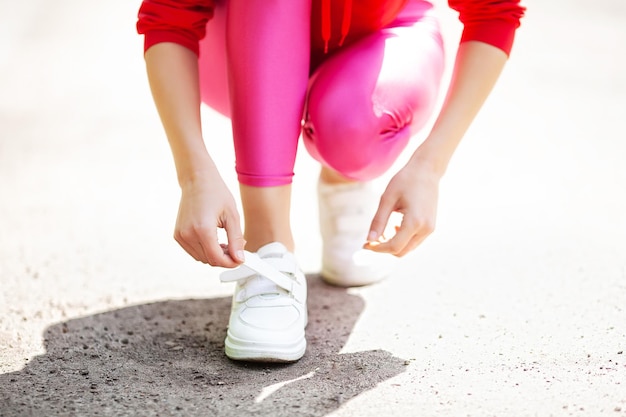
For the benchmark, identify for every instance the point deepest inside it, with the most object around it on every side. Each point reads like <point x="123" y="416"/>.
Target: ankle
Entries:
<point x="329" y="176"/>
<point x="266" y="212"/>
<point x="254" y="243"/>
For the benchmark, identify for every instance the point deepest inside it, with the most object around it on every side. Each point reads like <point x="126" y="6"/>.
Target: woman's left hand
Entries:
<point x="412" y="192"/>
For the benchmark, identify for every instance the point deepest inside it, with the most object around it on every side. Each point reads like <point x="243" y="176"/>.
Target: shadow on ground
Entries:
<point x="166" y="359"/>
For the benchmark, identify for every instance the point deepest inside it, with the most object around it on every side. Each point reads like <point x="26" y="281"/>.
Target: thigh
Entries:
<point x="396" y="70"/>
<point x="254" y="68"/>
<point x="366" y="100"/>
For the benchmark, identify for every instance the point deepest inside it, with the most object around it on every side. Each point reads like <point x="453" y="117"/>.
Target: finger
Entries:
<point x="200" y="241"/>
<point x="395" y="245"/>
<point x="404" y="234"/>
<point x="195" y="253"/>
<point x="400" y="247"/>
<point x="236" y="242"/>
<point x="413" y="243"/>
<point x="392" y="227"/>
<point x="215" y="254"/>
<point x="220" y="258"/>
<point x="380" y="220"/>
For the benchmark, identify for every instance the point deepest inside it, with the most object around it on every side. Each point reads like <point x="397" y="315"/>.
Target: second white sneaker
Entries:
<point x="346" y="212"/>
<point x="268" y="313"/>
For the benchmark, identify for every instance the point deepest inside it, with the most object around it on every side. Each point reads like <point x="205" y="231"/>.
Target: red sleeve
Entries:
<point x="179" y="21"/>
<point x="490" y="21"/>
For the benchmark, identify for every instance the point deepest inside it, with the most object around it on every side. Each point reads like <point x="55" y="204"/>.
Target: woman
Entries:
<point x="356" y="79"/>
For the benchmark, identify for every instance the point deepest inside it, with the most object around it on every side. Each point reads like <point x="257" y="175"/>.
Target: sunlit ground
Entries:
<point x="514" y="307"/>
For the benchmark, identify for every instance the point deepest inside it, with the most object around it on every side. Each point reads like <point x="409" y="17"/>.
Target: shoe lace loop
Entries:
<point x="277" y="270"/>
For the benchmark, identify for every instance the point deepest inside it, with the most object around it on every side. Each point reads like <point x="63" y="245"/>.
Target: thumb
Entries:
<point x="236" y="242"/>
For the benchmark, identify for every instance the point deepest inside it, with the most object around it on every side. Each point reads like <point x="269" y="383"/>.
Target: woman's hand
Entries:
<point x="205" y="203"/>
<point x="205" y="206"/>
<point x="413" y="192"/>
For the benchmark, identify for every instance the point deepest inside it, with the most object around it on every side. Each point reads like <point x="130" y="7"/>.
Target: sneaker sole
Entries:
<point x="331" y="277"/>
<point x="245" y="350"/>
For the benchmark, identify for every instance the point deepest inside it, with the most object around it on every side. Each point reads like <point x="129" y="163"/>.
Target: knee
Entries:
<point x="353" y="140"/>
<point x="344" y="138"/>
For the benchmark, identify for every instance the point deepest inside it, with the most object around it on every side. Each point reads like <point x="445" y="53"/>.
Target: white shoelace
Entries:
<point x="255" y="266"/>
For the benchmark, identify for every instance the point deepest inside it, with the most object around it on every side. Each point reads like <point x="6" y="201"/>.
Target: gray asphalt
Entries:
<point x="514" y="307"/>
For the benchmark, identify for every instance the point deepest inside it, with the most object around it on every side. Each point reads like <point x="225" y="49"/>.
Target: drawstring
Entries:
<point x="345" y="24"/>
<point x="326" y="22"/>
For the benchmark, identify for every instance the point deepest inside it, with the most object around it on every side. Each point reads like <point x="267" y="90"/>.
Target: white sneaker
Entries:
<point x="346" y="212"/>
<point x="268" y="313"/>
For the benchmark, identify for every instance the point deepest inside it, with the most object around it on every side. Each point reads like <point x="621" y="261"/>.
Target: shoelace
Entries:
<point x="327" y="21"/>
<point x="255" y="265"/>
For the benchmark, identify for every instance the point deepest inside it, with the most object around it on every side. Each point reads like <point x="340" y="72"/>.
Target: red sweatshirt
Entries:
<point x="183" y="21"/>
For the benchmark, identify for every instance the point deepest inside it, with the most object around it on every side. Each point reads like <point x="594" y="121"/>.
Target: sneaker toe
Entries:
<point x="358" y="268"/>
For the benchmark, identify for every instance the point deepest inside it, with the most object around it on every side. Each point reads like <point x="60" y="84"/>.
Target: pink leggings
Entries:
<point x="356" y="107"/>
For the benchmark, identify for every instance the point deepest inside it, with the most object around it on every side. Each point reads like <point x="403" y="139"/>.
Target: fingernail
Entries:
<point x="241" y="256"/>
<point x="372" y="236"/>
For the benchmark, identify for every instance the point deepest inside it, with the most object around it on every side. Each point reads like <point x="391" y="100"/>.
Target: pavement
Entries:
<point x="515" y="306"/>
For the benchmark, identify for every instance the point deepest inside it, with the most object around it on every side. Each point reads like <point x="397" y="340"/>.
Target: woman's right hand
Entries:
<point x="205" y="206"/>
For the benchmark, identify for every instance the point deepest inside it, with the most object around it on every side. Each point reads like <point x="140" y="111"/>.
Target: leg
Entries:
<point x="268" y="60"/>
<point x="264" y="58"/>
<point x="366" y="101"/>
<point x="267" y="44"/>
<point x="212" y="63"/>
<point x="268" y="63"/>
<point x="364" y="104"/>
<point x="266" y="211"/>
